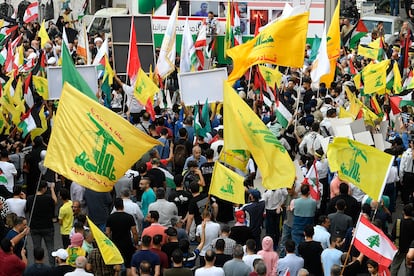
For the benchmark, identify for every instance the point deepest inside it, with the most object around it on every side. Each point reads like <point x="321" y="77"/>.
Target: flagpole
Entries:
<point x="250" y="79"/>
<point x="33" y="205"/>
<point x="298" y="98"/>
<point x="350" y="246"/>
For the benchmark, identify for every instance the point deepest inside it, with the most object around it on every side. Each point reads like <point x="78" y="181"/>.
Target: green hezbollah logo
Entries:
<point x="261" y="40"/>
<point x="228" y="187"/>
<point x="352" y="170"/>
<point x="104" y="162"/>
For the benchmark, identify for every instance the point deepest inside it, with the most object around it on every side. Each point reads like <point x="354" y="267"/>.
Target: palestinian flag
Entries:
<point x="398" y="101"/>
<point x="359" y="32"/>
<point x="27" y="124"/>
<point x="282" y="114"/>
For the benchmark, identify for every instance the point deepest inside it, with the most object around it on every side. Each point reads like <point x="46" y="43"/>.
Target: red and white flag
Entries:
<point x="312" y="180"/>
<point x="373" y="243"/>
<point x="287" y="273"/>
<point x="31" y="13"/>
<point x="201" y="44"/>
<point x="236" y="25"/>
<point x="133" y="59"/>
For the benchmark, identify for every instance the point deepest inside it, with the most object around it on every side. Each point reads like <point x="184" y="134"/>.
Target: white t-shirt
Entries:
<point x="17" y="206"/>
<point x="211" y="271"/>
<point x="9" y="171"/>
<point x="212" y="232"/>
<point x="249" y="259"/>
<point x="132" y="103"/>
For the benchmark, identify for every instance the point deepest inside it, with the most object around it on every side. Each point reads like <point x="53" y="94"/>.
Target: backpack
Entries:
<point x="180" y="155"/>
<point x="188" y="177"/>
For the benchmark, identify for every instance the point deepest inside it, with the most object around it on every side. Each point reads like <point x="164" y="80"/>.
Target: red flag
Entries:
<point x="133" y="59"/>
<point x="312" y="179"/>
<point x="258" y="24"/>
<point x="150" y="109"/>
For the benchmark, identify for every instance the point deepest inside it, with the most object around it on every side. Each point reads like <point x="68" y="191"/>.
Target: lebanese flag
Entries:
<point x="312" y="179"/>
<point x="28" y="95"/>
<point x="236" y="25"/>
<point x="373" y="243"/>
<point x="287" y="272"/>
<point x="201" y="44"/>
<point x="133" y="59"/>
<point x="31" y="13"/>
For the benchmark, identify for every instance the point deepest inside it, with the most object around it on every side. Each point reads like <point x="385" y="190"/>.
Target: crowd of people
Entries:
<point x="160" y="214"/>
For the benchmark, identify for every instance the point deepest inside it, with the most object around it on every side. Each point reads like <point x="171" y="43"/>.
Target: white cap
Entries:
<point x="61" y="253"/>
<point x="97" y="39"/>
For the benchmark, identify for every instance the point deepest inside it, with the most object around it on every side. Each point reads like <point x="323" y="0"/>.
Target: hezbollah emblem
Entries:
<point x="103" y="162"/>
<point x="352" y="170"/>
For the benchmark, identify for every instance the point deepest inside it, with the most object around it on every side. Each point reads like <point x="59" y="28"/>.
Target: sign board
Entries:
<point x="364" y="137"/>
<point x="54" y="79"/>
<point x="367" y="9"/>
<point x="198" y="86"/>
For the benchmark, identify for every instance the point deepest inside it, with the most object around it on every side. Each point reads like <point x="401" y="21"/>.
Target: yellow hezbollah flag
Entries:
<point x="235" y="158"/>
<point x="18" y="92"/>
<point x="226" y="184"/>
<point x="357" y="80"/>
<point x="397" y="86"/>
<point x="109" y="251"/>
<point x="92" y="145"/>
<point x="271" y="76"/>
<point x="248" y="132"/>
<point x="354" y="162"/>
<point x="41" y="85"/>
<point x="333" y="44"/>
<point x="144" y="88"/>
<point x="344" y="114"/>
<point x="355" y="104"/>
<point x="44" y="37"/>
<point x="368" y="52"/>
<point x="274" y="45"/>
<point x="375" y="77"/>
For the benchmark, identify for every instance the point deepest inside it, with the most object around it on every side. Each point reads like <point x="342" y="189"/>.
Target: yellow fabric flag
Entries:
<point x="248" y="132"/>
<point x="3" y="121"/>
<point x="41" y="85"/>
<point x="235" y="158"/>
<point x="357" y="80"/>
<point x="397" y="86"/>
<point x="368" y="52"/>
<point x="109" y="251"/>
<point x="44" y="37"/>
<point x="226" y="184"/>
<point x="344" y="114"/>
<point x="109" y="73"/>
<point x="355" y="104"/>
<point x="369" y="117"/>
<point x="144" y="88"/>
<point x="375" y="77"/>
<point x="6" y="101"/>
<point x="272" y="45"/>
<point x="354" y="162"/>
<point x="92" y="145"/>
<point x="333" y="44"/>
<point x="18" y="92"/>
<point x="40" y="130"/>
<point x="271" y="76"/>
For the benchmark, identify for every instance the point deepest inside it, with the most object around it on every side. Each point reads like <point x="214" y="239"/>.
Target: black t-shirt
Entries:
<point x="196" y="207"/>
<point x="221" y="259"/>
<point x="226" y="210"/>
<point x="61" y="270"/>
<point x="207" y="171"/>
<point x="157" y="178"/>
<point x="311" y="253"/>
<point x="169" y="247"/>
<point x="352" y="269"/>
<point x="43" y="213"/>
<point x="241" y="234"/>
<point x="181" y="198"/>
<point x="136" y="188"/>
<point x="120" y="224"/>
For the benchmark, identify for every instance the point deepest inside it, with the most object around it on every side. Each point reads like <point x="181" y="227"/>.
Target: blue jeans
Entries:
<point x="298" y="226"/>
<point x="48" y="235"/>
<point x="394" y="9"/>
<point x="286" y="235"/>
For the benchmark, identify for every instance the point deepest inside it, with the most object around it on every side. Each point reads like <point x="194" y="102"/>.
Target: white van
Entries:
<point x="101" y="21"/>
<point x="392" y="26"/>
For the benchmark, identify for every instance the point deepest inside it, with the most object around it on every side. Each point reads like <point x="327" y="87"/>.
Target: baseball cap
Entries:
<point x="240" y="216"/>
<point x="255" y="193"/>
<point x="60" y="253"/>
